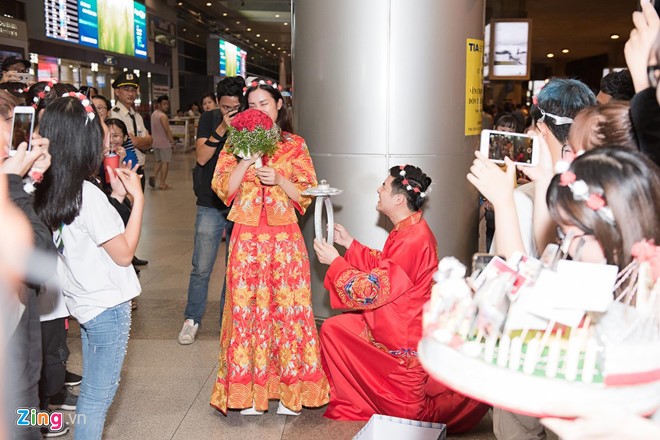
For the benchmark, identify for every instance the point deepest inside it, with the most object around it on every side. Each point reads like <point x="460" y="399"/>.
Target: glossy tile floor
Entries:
<point x="165" y="387"/>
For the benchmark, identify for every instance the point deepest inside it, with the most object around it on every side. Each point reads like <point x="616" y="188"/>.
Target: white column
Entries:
<point x="379" y="83"/>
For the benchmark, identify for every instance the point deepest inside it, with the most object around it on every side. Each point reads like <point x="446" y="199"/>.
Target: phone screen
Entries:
<point x="516" y="146"/>
<point x="22" y="129"/>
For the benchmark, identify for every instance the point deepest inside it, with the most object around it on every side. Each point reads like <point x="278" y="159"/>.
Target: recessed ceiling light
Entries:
<point x="209" y="4"/>
<point x="197" y="35"/>
<point x="265" y="40"/>
<point x="277" y="15"/>
<point x="550" y="55"/>
<point x="279" y="48"/>
<point x="238" y="22"/>
<point x="615" y="36"/>
<point x="224" y="14"/>
<point x="258" y="35"/>
<point x="256" y="44"/>
<point x="226" y="29"/>
<point x="180" y="3"/>
<point x="249" y="29"/>
<point x="565" y="51"/>
<point x="286" y="24"/>
<point x="284" y="51"/>
<point x="184" y="29"/>
<point x="273" y="44"/>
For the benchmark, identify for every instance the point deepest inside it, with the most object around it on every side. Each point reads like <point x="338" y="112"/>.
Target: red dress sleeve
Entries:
<point x="351" y="288"/>
<point x="362" y="257"/>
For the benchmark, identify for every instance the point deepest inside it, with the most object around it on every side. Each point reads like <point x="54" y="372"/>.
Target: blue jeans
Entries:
<point x="104" y="342"/>
<point x="209" y="225"/>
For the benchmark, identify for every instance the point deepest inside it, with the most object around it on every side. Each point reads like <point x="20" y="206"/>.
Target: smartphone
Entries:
<point x="522" y="149"/>
<point x="23" y="77"/>
<point x="21" y="129"/>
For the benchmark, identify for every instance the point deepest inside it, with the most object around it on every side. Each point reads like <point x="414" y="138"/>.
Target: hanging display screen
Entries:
<point x="112" y="25"/>
<point x="232" y="59"/>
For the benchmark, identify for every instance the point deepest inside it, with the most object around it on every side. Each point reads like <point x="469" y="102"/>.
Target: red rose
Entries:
<point x="251" y="119"/>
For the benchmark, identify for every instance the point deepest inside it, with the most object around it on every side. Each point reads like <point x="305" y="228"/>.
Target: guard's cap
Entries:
<point x="126" y="79"/>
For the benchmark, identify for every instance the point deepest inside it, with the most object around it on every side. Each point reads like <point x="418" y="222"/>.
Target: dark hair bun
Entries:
<point x="417" y="181"/>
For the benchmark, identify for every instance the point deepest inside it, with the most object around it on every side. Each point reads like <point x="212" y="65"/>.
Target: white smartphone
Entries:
<point x="21" y="129"/>
<point x="522" y="149"/>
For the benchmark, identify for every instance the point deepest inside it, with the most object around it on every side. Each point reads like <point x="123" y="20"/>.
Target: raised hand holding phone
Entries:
<point x="522" y="149"/>
<point x="22" y="128"/>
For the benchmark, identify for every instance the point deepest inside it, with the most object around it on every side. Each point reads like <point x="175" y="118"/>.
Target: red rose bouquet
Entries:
<point x="253" y="131"/>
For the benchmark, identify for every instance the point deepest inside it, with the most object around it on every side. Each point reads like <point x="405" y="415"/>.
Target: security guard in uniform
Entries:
<point x="126" y="90"/>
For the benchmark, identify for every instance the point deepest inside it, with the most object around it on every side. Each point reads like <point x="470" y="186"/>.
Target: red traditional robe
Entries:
<point x="370" y="356"/>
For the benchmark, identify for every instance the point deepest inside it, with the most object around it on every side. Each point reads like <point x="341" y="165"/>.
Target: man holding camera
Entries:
<point x="211" y="218"/>
<point x="15" y="69"/>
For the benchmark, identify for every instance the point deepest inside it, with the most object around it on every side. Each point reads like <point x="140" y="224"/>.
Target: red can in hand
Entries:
<point x="112" y="161"/>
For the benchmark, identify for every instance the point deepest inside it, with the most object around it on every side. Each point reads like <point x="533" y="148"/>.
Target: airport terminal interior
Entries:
<point x="374" y="89"/>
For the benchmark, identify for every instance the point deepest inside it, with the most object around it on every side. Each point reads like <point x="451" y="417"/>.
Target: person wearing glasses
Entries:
<point x="211" y="218"/>
<point x="102" y="105"/>
<point x="519" y="226"/>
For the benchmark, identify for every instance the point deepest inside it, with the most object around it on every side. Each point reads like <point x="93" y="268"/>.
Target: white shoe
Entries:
<point x="251" y="411"/>
<point x="283" y="410"/>
<point x="188" y="332"/>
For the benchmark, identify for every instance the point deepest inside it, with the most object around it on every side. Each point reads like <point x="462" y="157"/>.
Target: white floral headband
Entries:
<point x="85" y="102"/>
<point x="406" y="183"/>
<point x="262" y="82"/>
<point x="594" y="200"/>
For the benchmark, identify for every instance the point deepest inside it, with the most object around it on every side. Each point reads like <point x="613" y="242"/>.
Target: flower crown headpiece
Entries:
<point x="594" y="200"/>
<point x="408" y="183"/>
<point x="85" y="102"/>
<point x="42" y="94"/>
<point x="262" y="82"/>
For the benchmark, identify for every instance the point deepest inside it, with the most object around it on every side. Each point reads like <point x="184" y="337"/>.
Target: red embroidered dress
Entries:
<point x="269" y="347"/>
<point x="371" y="356"/>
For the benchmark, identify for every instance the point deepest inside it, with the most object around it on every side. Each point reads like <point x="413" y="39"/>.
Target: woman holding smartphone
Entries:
<point x="95" y="251"/>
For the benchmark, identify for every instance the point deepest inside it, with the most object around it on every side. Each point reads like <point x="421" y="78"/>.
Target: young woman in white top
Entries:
<point x="95" y="250"/>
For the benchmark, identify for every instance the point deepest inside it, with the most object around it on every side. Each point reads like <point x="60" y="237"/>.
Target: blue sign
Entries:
<point x="140" y="20"/>
<point x="88" y="23"/>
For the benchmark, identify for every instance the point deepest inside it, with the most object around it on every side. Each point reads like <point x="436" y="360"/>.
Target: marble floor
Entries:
<point x="165" y="387"/>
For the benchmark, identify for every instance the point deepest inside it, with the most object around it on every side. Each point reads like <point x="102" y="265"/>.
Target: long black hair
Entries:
<point x="76" y="144"/>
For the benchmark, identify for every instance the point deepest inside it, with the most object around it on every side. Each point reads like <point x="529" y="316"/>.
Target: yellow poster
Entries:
<point x="474" y="83"/>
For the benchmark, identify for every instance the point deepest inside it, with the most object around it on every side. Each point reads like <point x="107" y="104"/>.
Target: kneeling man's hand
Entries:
<point x="325" y="252"/>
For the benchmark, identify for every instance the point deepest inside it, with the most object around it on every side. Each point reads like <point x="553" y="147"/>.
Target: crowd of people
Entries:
<point x="65" y="205"/>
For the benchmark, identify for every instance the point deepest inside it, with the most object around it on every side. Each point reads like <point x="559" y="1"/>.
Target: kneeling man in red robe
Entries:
<point x="369" y="355"/>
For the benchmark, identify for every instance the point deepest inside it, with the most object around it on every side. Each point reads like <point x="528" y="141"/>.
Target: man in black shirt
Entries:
<point x="211" y="212"/>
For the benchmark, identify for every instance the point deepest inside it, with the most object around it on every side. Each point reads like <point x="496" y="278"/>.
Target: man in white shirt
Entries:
<point x="126" y="90"/>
